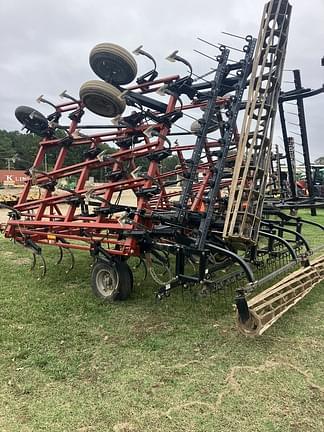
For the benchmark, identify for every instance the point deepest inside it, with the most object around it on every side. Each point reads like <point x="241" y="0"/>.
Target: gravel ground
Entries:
<point x="3" y="215"/>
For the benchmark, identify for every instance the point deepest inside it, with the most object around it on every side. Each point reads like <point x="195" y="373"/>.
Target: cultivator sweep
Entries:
<point x="186" y="225"/>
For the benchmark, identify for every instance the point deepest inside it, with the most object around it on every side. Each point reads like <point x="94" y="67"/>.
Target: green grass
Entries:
<point x="70" y="363"/>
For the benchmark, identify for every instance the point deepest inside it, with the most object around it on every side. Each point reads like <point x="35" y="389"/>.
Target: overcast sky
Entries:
<point x="45" y="45"/>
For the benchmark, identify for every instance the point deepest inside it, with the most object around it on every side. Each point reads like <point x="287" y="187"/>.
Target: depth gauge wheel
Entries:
<point x="102" y="98"/>
<point x="32" y="120"/>
<point x="111" y="282"/>
<point x="113" y="63"/>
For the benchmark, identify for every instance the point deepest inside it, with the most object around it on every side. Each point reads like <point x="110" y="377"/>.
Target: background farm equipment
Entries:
<point x="187" y="225"/>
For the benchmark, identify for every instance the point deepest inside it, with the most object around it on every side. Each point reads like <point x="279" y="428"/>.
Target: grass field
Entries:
<point x="70" y="363"/>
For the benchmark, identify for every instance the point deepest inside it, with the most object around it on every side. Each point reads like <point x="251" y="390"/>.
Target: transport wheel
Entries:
<point x="110" y="282"/>
<point x="102" y="98"/>
<point x="125" y="286"/>
<point x="130" y="272"/>
<point x="113" y="63"/>
<point x="32" y="119"/>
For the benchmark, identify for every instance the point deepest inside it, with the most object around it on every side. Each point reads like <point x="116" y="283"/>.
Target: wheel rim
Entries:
<point x="32" y="119"/>
<point x="32" y="122"/>
<point x="101" y="105"/>
<point x="102" y="98"/>
<point x="112" y="69"/>
<point x="107" y="282"/>
<point x="113" y="63"/>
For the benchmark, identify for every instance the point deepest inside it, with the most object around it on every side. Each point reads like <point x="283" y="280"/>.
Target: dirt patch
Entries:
<point x="123" y="427"/>
<point x="3" y="215"/>
<point x="23" y="261"/>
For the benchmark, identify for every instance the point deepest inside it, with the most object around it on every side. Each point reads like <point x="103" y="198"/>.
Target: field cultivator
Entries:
<point x="203" y="224"/>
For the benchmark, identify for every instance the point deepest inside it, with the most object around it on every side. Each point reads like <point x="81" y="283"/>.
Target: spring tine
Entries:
<point x="145" y="269"/>
<point x="182" y="128"/>
<point x="206" y="42"/>
<point x="43" y="267"/>
<point x="60" y="257"/>
<point x="205" y="55"/>
<point x="211" y="297"/>
<point x="233" y="35"/>
<point x="195" y="296"/>
<point x="190" y="116"/>
<point x="201" y="77"/>
<point x="33" y="263"/>
<point x="191" y="294"/>
<point x="182" y="293"/>
<point x="72" y="260"/>
<point x="230" y="47"/>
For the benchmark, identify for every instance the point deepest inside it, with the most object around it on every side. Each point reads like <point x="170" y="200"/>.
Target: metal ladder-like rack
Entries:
<point x="252" y="164"/>
<point x="201" y="138"/>
<point x="227" y="142"/>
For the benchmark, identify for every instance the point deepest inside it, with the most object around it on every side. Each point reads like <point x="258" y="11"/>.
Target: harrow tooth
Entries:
<point x="65" y="248"/>
<point x="43" y="266"/>
<point x="72" y="260"/>
<point x="32" y="267"/>
<point x="60" y="257"/>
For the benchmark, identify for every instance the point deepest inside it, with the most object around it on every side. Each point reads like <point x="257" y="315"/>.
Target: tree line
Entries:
<point x="18" y="151"/>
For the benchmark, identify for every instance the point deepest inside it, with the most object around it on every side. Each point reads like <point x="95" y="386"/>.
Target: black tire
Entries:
<point x="125" y="287"/>
<point x="102" y="98"/>
<point x="110" y="282"/>
<point x="130" y="271"/>
<point x="113" y="63"/>
<point x="32" y="120"/>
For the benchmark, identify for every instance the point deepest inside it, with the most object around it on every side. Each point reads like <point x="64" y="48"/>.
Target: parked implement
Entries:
<point x="207" y="223"/>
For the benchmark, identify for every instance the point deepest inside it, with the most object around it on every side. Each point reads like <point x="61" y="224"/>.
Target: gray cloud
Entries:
<point x="45" y="45"/>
